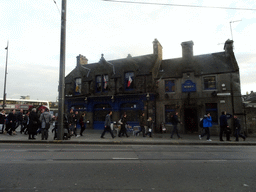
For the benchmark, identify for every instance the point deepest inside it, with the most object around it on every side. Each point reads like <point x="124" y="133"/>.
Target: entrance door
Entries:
<point x="190" y="117"/>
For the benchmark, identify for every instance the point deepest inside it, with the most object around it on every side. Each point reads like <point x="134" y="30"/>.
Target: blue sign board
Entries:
<point x="188" y="86"/>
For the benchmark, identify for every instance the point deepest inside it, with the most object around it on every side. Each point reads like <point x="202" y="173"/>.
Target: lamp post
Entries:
<point x="5" y="76"/>
<point x="62" y="71"/>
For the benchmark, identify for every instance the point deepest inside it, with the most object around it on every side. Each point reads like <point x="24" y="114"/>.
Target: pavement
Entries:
<point x="91" y="136"/>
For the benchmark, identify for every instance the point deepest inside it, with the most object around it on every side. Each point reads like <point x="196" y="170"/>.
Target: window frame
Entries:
<point x="79" y="85"/>
<point x="204" y="83"/>
<point x="126" y="79"/>
<point x="103" y="83"/>
<point x="173" y="86"/>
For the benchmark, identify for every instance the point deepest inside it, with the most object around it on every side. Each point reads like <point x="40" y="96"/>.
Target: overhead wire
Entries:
<point x="180" y="5"/>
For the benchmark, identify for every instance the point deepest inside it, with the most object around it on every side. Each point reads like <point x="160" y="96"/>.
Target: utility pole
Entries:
<point x="231" y="27"/>
<point x="5" y="76"/>
<point x="62" y="71"/>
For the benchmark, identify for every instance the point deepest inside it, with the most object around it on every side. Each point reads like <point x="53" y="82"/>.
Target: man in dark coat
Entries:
<point x="238" y="129"/>
<point x="143" y="123"/>
<point x="19" y="116"/>
<point x="224" y="125"/>
<point x="11" y="119"/>
<point x="33" y="124"/>
<point x="175" y="122"/>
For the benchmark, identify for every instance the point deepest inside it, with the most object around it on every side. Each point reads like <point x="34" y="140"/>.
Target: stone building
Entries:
<point x="191" y="85"/>
<point x="249" y="101"/>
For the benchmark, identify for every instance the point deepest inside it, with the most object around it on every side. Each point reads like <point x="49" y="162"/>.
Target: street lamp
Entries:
<point x="62" y="71"/>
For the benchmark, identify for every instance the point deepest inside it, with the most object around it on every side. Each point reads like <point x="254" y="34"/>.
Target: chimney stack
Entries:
<point x="81" y="60"/>
<point x="228" y="47"/>
<point x="157" y="49"/>
<point x="187" y="49"/>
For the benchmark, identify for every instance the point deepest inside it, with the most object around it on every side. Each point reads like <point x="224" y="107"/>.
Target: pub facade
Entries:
<point x="191" y="85"/>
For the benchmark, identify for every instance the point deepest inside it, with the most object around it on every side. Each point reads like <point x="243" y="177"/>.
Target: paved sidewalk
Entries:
<point x="93" y="137"/>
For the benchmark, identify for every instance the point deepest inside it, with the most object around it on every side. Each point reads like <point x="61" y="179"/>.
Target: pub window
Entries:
<point x="105" y="82"/>
<point x="213" y="110"/>
<point x="78" y="85"/>
<point x="129" y="80"/>
<point x="169" y="110"/>
<point x="209" y="82"/>
<point x="169" y="86"/>
<point x="98" y="83"/>
<point x="101" y="83"/>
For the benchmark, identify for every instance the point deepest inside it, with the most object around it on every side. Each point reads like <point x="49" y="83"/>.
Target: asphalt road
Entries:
<point x="54" y="167"/>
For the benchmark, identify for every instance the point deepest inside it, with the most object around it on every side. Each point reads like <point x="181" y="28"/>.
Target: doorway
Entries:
<point x="190" y="118"/>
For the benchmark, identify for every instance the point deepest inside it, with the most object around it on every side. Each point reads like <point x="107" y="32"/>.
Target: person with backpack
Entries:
<point x="207" y="123"/>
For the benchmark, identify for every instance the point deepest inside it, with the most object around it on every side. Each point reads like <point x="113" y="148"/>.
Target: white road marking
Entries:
<point x="124" y="158"/>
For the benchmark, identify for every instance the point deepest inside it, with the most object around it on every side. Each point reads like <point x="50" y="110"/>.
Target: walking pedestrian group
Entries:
<point x="33" y="124"/>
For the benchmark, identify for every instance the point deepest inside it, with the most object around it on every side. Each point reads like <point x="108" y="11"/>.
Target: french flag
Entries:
<point x="105" y="82"/>
<point x="129" y="81"/>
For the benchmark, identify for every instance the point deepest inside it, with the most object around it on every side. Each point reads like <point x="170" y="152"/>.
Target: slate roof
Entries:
<point x="141" y="65"/>
<point x="201" y="65"/>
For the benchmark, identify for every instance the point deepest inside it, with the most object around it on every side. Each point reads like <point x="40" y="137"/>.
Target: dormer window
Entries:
<point x="129" y="81"/>
<point x="101" y="83"/>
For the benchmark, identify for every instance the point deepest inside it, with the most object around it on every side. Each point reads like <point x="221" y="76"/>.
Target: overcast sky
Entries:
<point x="116" y="30"/>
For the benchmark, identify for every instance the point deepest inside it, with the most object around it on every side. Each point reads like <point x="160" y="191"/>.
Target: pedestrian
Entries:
<point x="150" y="126"/>
<point x="2" y="121"/>
<point x="175" y="122"/>
<point x="142" y="125"/>
<point x="11" y="122"/>
<point x="19" y="116"/>
<point x="71" y="123"/>
<point x="107" y="125"/>
<point x="76" y="121"/>
<point x="207" y="123"/>
<point x="123" y="126"/>
<point x="238" y="129"/>
<point x="224" y="125"/>
<point x="25" y="124"/>
<point x="82" y="122"/>
<point x="45" y="119"/>
<point x="34" y="123"/>
<point x="42" y="110"/>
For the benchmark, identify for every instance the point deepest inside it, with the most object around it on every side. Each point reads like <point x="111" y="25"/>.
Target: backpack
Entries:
<point x="201" y="123"/>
